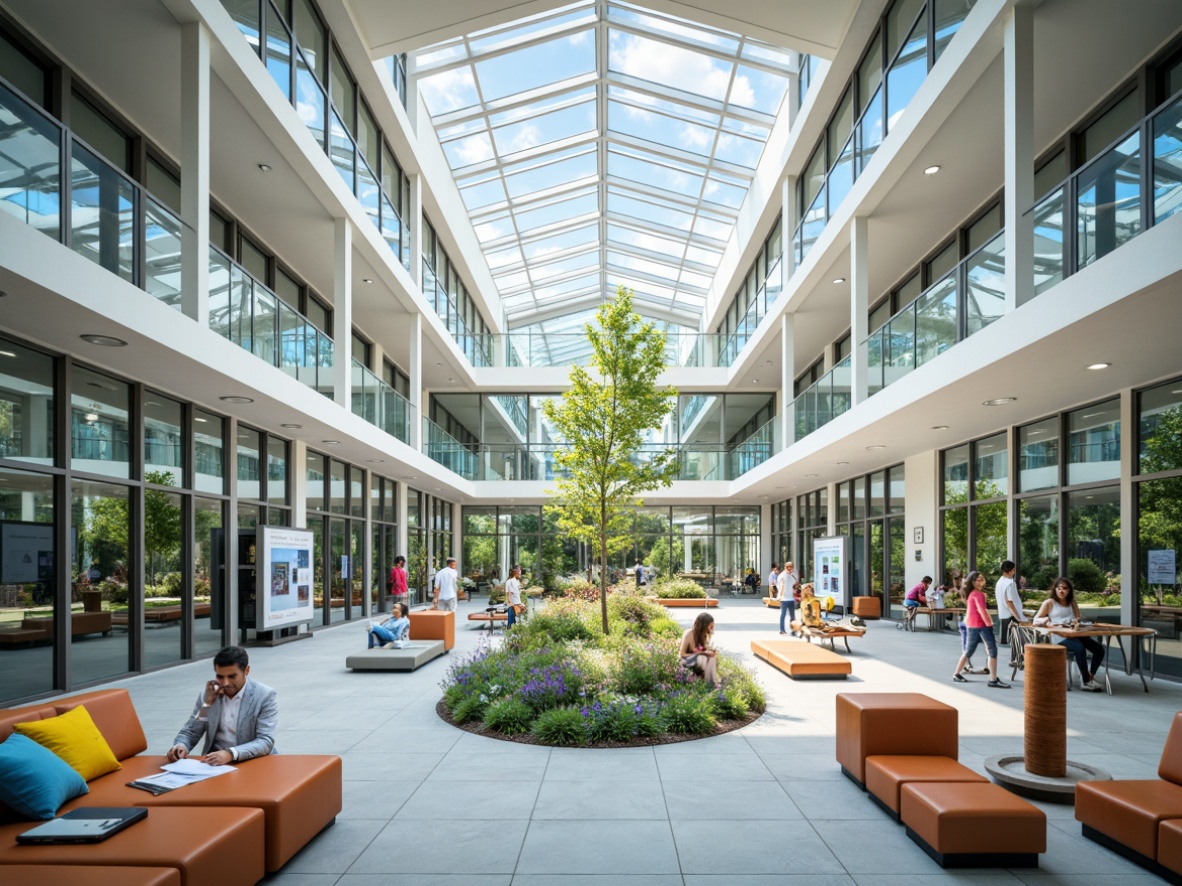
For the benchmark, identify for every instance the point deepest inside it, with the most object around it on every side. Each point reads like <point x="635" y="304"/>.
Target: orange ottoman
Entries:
<point x="868" y="607"/>
<point x="973" y="825"/>
<point x="72" y="875"/>
<point x="216" y="846"/>
<point x="892" y="723"/>
<point x="1169" y="845"/>
<point x="886" y="775"/>
<point x="433" y="624"/>
<point x="1127" y="812"/>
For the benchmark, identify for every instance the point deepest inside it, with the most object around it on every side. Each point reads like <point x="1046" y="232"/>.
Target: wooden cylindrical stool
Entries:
<point x="1046" y="709"/>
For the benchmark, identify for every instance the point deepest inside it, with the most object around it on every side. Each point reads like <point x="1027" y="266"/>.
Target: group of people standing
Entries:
<point x="1058" y="610"/>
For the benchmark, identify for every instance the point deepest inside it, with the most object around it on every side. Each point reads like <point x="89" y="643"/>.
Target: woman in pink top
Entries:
<point x="979" y="624"/>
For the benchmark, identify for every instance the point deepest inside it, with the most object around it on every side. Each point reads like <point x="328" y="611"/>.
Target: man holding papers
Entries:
<point x="237" y="716"/>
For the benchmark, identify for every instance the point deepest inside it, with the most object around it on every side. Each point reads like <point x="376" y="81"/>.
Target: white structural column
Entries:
<point x="414" y="223"/>
<point x="1019" y="155"/>
<point x="1129" y="603"/>
<point x="342" y="312"/>
<point x="297" y="471"/>
<point x="788" y="226"/>
<point x="788" y="379"/>
<point x="859" y="307"/>
<point x="195" y="172"/>
<point x="414" y="329"/>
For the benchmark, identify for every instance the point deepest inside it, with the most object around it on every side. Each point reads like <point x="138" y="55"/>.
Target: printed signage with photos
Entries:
<point x="285" y="577"/>
<point x="829" y="570"/>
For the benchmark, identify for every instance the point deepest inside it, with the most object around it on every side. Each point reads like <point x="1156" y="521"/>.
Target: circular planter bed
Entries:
<point x="557" y="679"/>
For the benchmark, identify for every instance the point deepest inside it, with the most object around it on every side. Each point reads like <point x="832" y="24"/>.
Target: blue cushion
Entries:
<point x="34" y="780"/>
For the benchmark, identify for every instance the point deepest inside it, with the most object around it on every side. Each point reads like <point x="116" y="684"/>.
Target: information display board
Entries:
<point x="284" y="580"/>
<point x="829" y="572"/>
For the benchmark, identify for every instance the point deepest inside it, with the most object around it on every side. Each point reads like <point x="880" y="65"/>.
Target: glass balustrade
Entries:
<point x="249" y="314"/>
<point x="379" y="404"/>
<point x="31" y="169"/>
<point x="752" y="452"/>
<point x="824" y="400"/>
<point x="441" y="446"/>
<point x="533" y="348"/>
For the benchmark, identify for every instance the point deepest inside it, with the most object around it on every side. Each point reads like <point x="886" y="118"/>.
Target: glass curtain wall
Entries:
<point x="870" y="513"/>
<point x="812" y="521"/>
<point x="383" y="509"/>
<point x="1158" y="487"/>
<point x="335" y="495"/>
<point x="974" y="511"/>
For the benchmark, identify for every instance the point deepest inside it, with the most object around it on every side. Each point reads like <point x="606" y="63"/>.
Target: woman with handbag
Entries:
<point x="513" y="596"/>
<point x="696" y="655"/>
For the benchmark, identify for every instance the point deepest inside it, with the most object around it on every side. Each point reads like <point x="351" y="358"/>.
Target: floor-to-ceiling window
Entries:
<point x="812" y="521"/>
<point x="870" y="514"/>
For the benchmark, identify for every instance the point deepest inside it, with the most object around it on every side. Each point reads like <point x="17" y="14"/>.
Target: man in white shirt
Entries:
<point x="447" y="580"/>
<point x="513" y="595"/>
<point x="237" y="716"/>
<point x="773" y="589"/>
<point x="1009" y="600"/>
<point x="786" y="582"/>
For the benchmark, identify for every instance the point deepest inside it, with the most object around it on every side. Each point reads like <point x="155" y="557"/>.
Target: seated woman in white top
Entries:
<point x="393" y="632"/>
<point x="1061" y="609"/>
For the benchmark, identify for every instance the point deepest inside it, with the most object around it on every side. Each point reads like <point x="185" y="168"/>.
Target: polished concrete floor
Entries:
<point x="425" y="803"/>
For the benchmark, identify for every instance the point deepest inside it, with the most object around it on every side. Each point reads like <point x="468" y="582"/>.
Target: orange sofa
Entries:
<point x="226" y="831"/>
<point x="1140" y="818"/>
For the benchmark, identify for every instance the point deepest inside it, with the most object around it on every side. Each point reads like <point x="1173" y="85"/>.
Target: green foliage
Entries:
<point x="470" y="707"/>
<point x="633" y="613"/>
<point x="730" y="703"/>
<point x="170" y="583"/>
<point x="1087" y="577"/>
<point x="664" y="628"/>
<point x="689" y="713"/>
<point x="602" y="422"/>
<point x="509" y="715"/>
<point x="646" y="666"/>
<point x="680" y="589"/>
<point x="560" y="726"/>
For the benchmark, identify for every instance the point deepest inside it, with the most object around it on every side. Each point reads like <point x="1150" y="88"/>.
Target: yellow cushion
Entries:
<point x="74" y="737"/>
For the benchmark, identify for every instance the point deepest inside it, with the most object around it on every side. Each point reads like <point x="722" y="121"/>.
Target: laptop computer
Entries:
<point x="92" y="825"/>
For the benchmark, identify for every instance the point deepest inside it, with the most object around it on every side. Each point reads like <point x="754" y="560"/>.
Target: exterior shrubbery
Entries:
<point x="680" y="589"/>
<point x="561" y="679"/>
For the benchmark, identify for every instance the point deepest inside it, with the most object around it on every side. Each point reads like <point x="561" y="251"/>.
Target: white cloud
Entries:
<point x="449" y="90"/>
<point x="526" y="137"/>
<point x="672" y="65"/>
<point x="473" y="149"/>
<point x="741" y="92"/>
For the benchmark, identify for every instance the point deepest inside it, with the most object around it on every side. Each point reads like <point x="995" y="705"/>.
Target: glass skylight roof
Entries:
<point x="600" y="144"/>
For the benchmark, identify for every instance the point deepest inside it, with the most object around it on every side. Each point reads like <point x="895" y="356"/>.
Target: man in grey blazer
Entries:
<point x="237" y="716"/>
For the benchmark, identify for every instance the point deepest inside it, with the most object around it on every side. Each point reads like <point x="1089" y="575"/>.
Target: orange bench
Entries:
<point x="971" y="825"/>
<point x="801" y="660"/>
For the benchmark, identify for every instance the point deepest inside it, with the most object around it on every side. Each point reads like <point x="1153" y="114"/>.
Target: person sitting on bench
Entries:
<point x="917" y="597"/>
<point x="392" y="633"/>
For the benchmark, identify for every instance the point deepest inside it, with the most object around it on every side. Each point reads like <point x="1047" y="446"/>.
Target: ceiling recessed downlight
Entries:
<point x="810" y="475"/>
<point x="366" y="280"/>
<point x="875" y="446"/>
<point x="264" y="167"/>
<point x="1000" y="401"/>
<point x="1095" y="366"/>
<point x="939" y="427"/>
<point x="841" y="462"/>
<point x="839" y="279"/>
<point x="331" y="442"/>
<point x="931" y="170"/>
<point x="7" y="354"/>
<point x="235" y="398"/>
<point x="291" y="427"/>
<point x="376" y="461"/>
<point x="104" y="341"/>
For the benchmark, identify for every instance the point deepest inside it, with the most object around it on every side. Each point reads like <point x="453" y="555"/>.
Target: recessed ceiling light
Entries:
<point x="104" y="341"/>
<point x="841" y="462"/>
<point x="839" y="279"/>
<point x="200" y="419"/>
<point x="754" y="381"/>
<point x="264" y="167"/>
<point x="376" y="461"/>
<point x="7" y="354"/>
<point x="1097" y="366"/>
<point x="810" y="475"/>
<point x="763" y="496"/>
<point x="939" y="427"/>
<point x="291" y="427"/>
<point x="331" y="442"/>
<point x="451" y="379"/>
<point x="768" y="362"/>
<point x="1000" y="401"/>
<point x="412" y="478"/>
<point x="438" y="364"/>
<point x="234" y="398"/>
<point x="366" y="280"/>
<point x="931" y="170"/>
<point x="875" y="446"/>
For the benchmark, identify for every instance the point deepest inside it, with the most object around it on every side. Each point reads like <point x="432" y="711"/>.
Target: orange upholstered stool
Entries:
<point x="73" y="875"/>
<point x="868" y="607"/>
<point x="1169" y="845"/>
<point x="973" y="824"/>
<point x="886" y="775"/>
<point x="433" y="624"/>
<point x="892" y="723"/>
<point x="1127" y="812"/>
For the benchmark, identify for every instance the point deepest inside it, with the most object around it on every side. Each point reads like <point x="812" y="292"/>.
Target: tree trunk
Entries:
<point x="603" y="578"/>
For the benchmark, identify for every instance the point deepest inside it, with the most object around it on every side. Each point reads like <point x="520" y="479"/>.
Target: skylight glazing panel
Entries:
<point x="533" y="28"/>
<point x="656" y="269"/>
<point x="646" y="172"/>
<point x="503" y="258"/>
<point x="551" y="175"/>
<point x="545" y="129"/>
<point x="556" y="212"/>
<point x="486" y="194"/>
<point x="532" y="67"/>
<point x="727" y="195"/>
<point x="681" y="29"/>
<point x="507" y="282"/>
<point x="645" y="101"/>
<point x="738" y="150"/>
<point x="703" y="256"/>
<point x="660" y="129"/>
<point x="647" y="241"/>
<point x="540" y="273"/>
<point x="566" y="287"/>
<point x="539" y="249"/>
<point x="451" y="90"/>
<point x="646" y="211"/>
<point x="468" y="151"/>
<point x="441" y="54"/>
<point x="667" y="64"/>
<point x="758" y="90"/>
<point x="493" y="229"/>
<point x="716" y="230"/>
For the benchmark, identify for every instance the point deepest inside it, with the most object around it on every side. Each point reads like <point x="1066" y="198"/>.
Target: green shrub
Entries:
<point x="688" y="713"/>
<point x="509" y="715"/>
<point x="680" y="589"/>
<point x="633" y="611"/>
<point x="116" y="592"/>
<point x="170" y="582"/>
<point x="470" y="707"/>
<point x="664" y="628"/>
<point x="730" y="703"/>
<point x="642" y="669"/>
<point x="754" y="696"/>
<point x="561" y="726"/>
<point x="1087" y="577"/>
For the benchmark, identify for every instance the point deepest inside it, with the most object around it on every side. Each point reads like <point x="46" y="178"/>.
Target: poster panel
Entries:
<point x="1161" y="567"/>
<point x="26" y="552"/>
<point x="829" y="572"/>
<point x="285" y="577"/>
